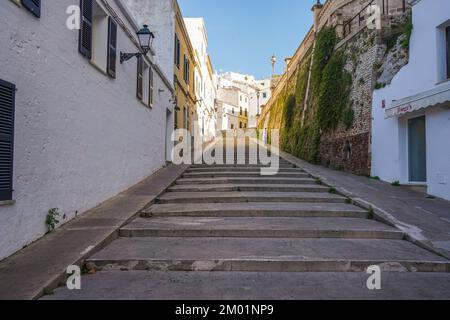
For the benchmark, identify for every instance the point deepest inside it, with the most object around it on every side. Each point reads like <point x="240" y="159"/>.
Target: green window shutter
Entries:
<point x="140" y="78"/>
<point x="85" y="36"/>
<point x="112" y="48"/>
<point x="7" y="108"/>
<point x="34" y="6"/>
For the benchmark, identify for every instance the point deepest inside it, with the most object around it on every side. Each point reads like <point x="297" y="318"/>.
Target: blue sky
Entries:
<point x="243" y="34"/>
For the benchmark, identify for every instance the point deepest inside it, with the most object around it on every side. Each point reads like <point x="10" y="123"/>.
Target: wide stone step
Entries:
<point x="248" y="187"/>
<point x="266" y="255"/>
<point x="246" y="180"/>
<point x="207" y="169"/>
<point x="219" y="174"/>
<point x="233" y="197"/>
<point x="225" y="165"/>
<point x="260" y="228"/>
<point x="160" y="285"/>
<point x="269" y="209"/>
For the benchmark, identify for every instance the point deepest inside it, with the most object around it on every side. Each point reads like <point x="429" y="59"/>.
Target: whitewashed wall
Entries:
<point x="160" y="16"/>
<point x="424" y="72"/>
<point x="81" y="137"/>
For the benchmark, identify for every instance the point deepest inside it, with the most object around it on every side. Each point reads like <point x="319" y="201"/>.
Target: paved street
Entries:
<point x="225" y="232"/>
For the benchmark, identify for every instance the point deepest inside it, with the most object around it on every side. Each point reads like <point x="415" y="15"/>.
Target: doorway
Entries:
<point x="417" y="150"/>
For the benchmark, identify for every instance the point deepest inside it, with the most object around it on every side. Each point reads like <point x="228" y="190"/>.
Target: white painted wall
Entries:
<point x="159" y="15"/>
<point x="424" y="72"/>
<point x="81" y="137"/>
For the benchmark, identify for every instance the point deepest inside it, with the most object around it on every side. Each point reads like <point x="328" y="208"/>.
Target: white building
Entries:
<point x="254" y="93"/>
<point x="204" y="87"/>
<point x="76" y="127"/>
<point x="411" y="117"/>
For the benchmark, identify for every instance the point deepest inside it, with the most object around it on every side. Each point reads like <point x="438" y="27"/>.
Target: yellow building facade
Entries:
<point x="184" y="66"/>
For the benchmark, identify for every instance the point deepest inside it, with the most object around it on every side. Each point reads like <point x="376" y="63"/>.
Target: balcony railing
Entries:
<point x="361" y="17"/>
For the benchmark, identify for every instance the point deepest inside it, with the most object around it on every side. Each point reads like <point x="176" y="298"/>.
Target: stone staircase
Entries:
<point x="228" y="222"/>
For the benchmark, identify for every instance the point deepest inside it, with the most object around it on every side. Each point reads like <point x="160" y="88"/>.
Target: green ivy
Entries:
<point x="327" y="105"/>
<point x="334" y="93"/>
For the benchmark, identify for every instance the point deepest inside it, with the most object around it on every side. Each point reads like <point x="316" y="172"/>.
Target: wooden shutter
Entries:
<point x="34" y="6"/>
<point x="150" y="87"/>
<point x="447" y="32"/>
<point x="140" y="78"/>
<point x="177" y="51"/>
<point x="112" y="47"/>
<point x="85" y="38"/>
<point x="7" y="104"/>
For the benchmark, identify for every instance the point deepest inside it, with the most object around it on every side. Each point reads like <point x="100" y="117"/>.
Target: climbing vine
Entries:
<point x="302" y="117"/>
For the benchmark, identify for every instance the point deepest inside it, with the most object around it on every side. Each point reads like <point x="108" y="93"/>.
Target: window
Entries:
<point x="264" y="95"/>
<point x="176" y="120"/>
<point x="85" y="35"/>
<point x="145" y="75"/>
<point x="150" y="87"/>
<point x="232" y="126"/>
<point x="177" y="51"/>
<point x="187" y="71"/>
<point x="34" y="6"/>
<point x="98" y="37"/>
<point x="240" y="124"/>
<point x="246" y="112"/>
<point x="140" y="79"/>
<point x="240" y="112"/>
<point x="7" y="106"/>
<point x="447" y="39"/>
<point x="112" y="48"/>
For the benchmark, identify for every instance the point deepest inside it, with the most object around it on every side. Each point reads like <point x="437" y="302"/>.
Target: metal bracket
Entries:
<point x="127" y="56"/>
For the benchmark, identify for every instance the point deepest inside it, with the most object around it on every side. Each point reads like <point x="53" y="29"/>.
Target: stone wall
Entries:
<point x="346" y="147"/>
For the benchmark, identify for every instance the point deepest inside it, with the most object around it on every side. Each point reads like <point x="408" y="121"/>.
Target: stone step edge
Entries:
<point x="262" y="233"/>
<point x="256" y="213"/>
<point x="265" y="265"/>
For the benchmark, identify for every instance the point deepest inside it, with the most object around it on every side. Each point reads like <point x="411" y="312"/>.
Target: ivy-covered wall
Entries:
<point x="328" y="122"/>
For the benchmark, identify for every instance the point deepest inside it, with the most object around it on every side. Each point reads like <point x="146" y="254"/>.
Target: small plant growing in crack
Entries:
<point x="395" y="184"/>
<point x="318" y="181"/>
<point x="349" y="200"/>
<point x="371" y="213"/>
<point x="332" y="190"/>
<point x="51" y="220"/>
<point x="48" y="292"/>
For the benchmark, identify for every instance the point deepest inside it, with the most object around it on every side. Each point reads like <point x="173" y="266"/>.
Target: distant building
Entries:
<point x="76" y="126"/>
<point x="205" y="91"/>
<point x="411" y="116"/>
<point x="253" y="94"/>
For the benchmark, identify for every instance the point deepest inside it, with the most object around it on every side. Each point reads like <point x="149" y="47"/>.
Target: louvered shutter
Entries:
<point x="85" y="38"/>
<point x="7" y="103"/>
<point x="447" y="31"/>
<point x="140" y="78"/>
<point x="112" y="47"/>
<point x="34" y="6"/>
<point x="150" y="87"/>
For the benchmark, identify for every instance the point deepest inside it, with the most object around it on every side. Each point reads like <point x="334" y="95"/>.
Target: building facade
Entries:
<point x="204" y="87"/>
<point x="174" y="50"/>
<point x="411" y="115"/>
<point x="253" y="94"/>
<point x="76" y="127"/>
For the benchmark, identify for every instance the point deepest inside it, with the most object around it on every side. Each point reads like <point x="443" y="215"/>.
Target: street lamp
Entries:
<point x="145" y="37"/>
<point x="273" y="60"/>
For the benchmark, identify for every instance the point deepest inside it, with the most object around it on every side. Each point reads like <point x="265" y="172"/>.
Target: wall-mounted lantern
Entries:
<point x="145" y="37"/>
